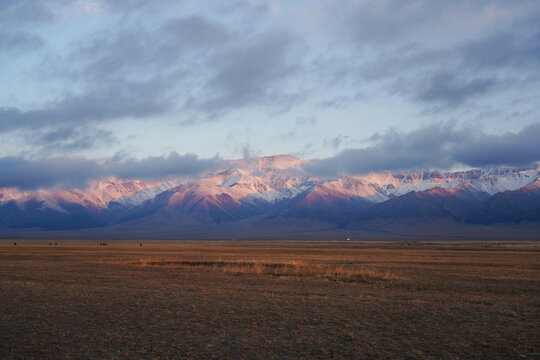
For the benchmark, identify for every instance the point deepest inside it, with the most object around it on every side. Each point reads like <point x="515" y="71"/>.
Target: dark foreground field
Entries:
<point x="270" y="300"/>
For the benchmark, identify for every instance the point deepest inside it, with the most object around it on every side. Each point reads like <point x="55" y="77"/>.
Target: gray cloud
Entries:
<point x="452" y="73"/>
<point x="75" y="172"/>
<point x="18" y="20"/>
<point x="252" y="73"/>
<point x="337" y="141"/>
<point x="24" y="12"/>
<point x="134" y="73"/>
<point x="445" y="88"/>
<point x="367" y="22"/>
<point x="15" y="42"/>
<point x="139" y="60"/>
<point x="69" y="140"/>
<point x="112" y="100"/>
<point x="517" y="149"/>
<point x="306" y="120"/>
<point x="340" y="102"/>
<point x="224" y="68"/>
<point x="139" y="73"/>
<point x="163" y="166"/>
<point x="31" y="174"/>
<point x="434" y="147"/>
<point x="519" y="50"/>
<point x="384" y="23"/>
<point x="134" y="49"/>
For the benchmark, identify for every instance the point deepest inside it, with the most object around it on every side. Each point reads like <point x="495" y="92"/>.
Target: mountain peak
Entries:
<point x="270" y="187"/>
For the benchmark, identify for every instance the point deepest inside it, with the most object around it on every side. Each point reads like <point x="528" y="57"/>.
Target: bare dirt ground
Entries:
<point x="270" y="300"/>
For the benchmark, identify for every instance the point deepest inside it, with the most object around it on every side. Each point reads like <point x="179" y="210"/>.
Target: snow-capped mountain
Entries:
<point x="269" y="191"/>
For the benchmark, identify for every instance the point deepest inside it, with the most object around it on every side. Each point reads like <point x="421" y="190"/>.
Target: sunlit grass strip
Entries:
<point x="296" y="269"/>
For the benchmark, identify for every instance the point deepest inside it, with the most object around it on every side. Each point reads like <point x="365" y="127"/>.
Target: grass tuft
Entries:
<point x="296" y="269"/>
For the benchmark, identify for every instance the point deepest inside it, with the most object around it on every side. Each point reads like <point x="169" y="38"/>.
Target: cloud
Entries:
<point x="15" y="42"/>
<point x="93" y="8"/>
<point x="385" y="23"/>
<point x="306" y="120"/>
<point x="219" y="67"/>
<point x="439" y="146"/>
<point x="113" y="100"/>
<point x="511" y="148"/>
<point x="25" y="13"/>
<point x="519" y="50"/>
<point x="456" y="74"/>
<point x="240" y="62"/>
<point x="75" y="172"/>
<point x="445" y="88"/>
<point x="128" y="51"/>
<point x="69" y="140"/>
<point x="187" y="63"/>
<point x="336" y="141"/>
<point x="31" y="174"/>
<point x="252" y="72"/>
<point x="135" y="73"/>
<point x="452" y="72"/>
<point x="163" y="166"/>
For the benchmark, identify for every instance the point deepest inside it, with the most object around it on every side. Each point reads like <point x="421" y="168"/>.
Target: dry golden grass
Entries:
<point x="295" y="269"/>
<point x="270" y="300"/>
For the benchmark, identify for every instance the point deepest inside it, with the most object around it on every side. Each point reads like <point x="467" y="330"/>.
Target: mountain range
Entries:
<point x="274" y="196"/>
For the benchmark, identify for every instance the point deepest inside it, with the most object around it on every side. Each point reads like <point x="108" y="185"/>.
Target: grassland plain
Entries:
<point x="270" y="300"/>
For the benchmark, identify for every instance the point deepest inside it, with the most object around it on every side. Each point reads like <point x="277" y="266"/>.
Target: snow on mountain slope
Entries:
<point x="103" y="191"/>
<point x="511" y="206"/>
<point x="357" y="187"/>
<point x="277" y="195"/>
<point x="97" y="195"/>
<point x="456" y="203"/>
<point x="268" y="179"/>
<point x="147" y="193"/>
<point x="491" y="181"/>
<point x="260" y="183"/>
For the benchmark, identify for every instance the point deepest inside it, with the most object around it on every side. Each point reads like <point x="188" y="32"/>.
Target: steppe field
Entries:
<point x="269" y="300"/>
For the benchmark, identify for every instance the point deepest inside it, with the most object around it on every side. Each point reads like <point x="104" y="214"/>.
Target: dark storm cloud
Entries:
<point x="75" y="172"/>
<point x="434" y="147"/>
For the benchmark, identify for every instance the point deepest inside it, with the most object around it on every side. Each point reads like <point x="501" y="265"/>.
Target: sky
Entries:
<point x="163" y="88"/>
